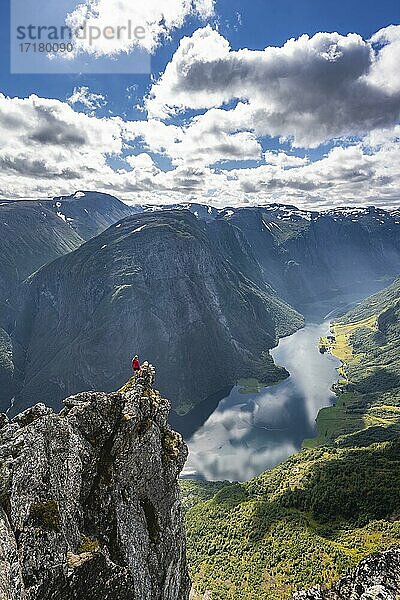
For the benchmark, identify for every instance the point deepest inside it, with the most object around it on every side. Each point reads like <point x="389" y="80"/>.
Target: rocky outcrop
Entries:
<point x="376" y="578"/>
<point x="89" y="499"/>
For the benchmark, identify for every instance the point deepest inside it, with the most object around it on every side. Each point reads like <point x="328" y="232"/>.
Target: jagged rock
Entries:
<point x="376" y="578"/>
<point x="31" y="414"/>
<point x="89" y="501"/>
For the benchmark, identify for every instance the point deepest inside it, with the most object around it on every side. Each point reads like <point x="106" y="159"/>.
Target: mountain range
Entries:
<point x="205" y="294"/>
<point x="34" y="233"/>
<point x="157" y="284"/>
<point x="198" y="290"/>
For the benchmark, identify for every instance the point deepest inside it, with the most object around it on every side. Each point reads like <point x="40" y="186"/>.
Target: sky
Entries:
<point x="224" y="102"/>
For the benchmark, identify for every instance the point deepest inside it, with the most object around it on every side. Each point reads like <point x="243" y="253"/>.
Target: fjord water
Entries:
<point x="251" y="432"/>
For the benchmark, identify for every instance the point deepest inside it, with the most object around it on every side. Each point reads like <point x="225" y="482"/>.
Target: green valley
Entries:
<point x="303" y="523"/>
<point x="314" y="517"/>
<point x="366" y="341"/>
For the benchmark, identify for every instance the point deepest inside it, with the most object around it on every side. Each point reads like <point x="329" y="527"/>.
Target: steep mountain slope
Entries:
<point x="310" y="256"/>
<point x="31" y="235"/>
<point x="158" y="285"/>
<point x="34" y="233"/>
<point x="90" y="213"/>
<point x="284" y="252"/>
<point x="366" y="340"/>
<point x="302" y="524"/>
<point x="89" y="504"/>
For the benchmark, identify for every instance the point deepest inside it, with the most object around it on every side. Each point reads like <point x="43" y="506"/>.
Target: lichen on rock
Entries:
<point x="89" y="507"/>
<point x="46" y="515"/>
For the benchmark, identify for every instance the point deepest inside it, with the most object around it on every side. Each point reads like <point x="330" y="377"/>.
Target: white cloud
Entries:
<point x="156" y="135"/>
<point x="159" y="18"/>
<point x="284" y="160"/>
<point x="47" y="149"/>
<point x="89" y="100"/>
<point x="350" y="175"/>
<point x="385" y="71"/>
<point x="143" y="162"/>
<point x="46" y="145"/>
<point x="310" y="90"/>
<point x="210" y="138"/>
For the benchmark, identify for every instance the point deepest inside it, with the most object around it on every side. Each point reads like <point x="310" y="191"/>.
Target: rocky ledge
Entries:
<point x="89" y="501"/>
<point x="376" y="578"/>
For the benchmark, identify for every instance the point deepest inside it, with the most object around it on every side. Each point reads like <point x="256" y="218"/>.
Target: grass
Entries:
<point x="303" y="523"/>
<point x="46" y="515"/>
<point x="251" y="386"/>
<point x="342" y="332"/>
<point x="335" y="421"/>
<point x="370" y="368"/>
<point x="341" y="345"/>
<point x="88" y="545"/>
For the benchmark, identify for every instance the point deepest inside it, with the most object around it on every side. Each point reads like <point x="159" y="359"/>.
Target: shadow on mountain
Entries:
<point x="380" y="380"/>
<point x="359" y="486"/>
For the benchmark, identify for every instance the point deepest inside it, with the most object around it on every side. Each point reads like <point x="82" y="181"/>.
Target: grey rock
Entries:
<point x="89" y="500"/>
<point x="376" y="578"/>
<point x="11" y="584"/>
<point x="4" y="421"/>
<point x="31" y="414"/>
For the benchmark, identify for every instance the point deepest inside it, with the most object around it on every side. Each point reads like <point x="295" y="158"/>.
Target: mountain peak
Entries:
<point x="89" y="498"/>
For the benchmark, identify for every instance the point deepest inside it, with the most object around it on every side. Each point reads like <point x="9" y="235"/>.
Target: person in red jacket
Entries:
<point x="136" y="364"/>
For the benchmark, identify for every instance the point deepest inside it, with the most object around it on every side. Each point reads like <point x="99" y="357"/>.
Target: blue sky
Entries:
<point x="253" y="25"/>
<point x="263" y="23"/>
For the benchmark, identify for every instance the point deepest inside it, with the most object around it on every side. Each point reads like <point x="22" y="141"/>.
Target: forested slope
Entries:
<point x="309" y="520"/>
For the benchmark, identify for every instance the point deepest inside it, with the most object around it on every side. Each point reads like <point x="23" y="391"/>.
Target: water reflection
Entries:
<point x="249" y="433"/>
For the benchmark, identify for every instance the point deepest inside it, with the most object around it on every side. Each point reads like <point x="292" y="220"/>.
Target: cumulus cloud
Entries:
<point x="208" y="139"/>
<point x="333" y="88"/>
<point x="158" y="18"/>
<point x="284" y="160"/>
<point x="45" y="140"/>
<point x="385" y="71"/>
<point x="310" y="90"/>
<point x="83" y="97"/>
<point x="345" y="176"/>
<point x="78" y="148"/>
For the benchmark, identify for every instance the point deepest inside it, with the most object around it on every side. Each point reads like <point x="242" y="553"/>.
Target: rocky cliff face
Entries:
<point x="376" y="578"/>
<point x="311" y="256"/>
<point x="33" y="233"/>
<point x="89" y="503"/>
